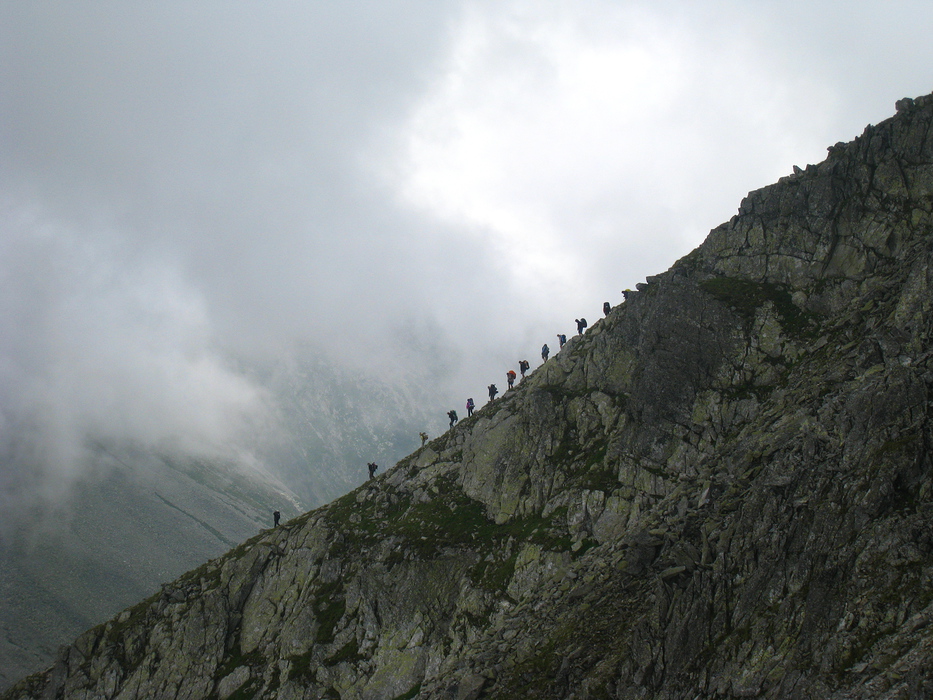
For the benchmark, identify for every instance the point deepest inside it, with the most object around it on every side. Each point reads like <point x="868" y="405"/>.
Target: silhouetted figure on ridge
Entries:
<point x="561" y="340"/>
<point x="453" y="417"/>
<point x="492" y="391"/>
<point x="545" y="351"/>
<point x="581" y="325"/>
<point x="372" y="469"/>
<point x="424" y="438"/>
<point x="510" y="377"/>
<point x="606" y="308"/>
<point x="470" y="407"/>
<point x="275" y="518"/>
<point x="523" y="367"/>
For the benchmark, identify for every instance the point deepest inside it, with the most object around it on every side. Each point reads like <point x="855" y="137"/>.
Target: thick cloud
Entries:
<point x="419" y="188"/>
<point x="102" y="346"/>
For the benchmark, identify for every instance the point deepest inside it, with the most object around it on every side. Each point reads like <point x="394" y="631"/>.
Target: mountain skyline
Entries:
<point x="724" y="488"/>
<point x="421" y="191"/>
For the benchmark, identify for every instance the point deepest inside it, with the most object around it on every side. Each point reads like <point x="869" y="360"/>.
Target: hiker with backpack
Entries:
<point x="372" y="469"/>
<point x="523" y="367"/>
<point x="492" y="391"/>
<point x="581" y="325"/>
<point x="510" y="376"/>
<point x="453" y="417"/>
<point x="545" y="351"/>
<point x="607" y="307"/>
<point x="561" y="339"/>
<point x="470" y="407"/>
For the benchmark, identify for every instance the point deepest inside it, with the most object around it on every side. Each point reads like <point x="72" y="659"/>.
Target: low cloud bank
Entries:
<point x="97" y="349"/>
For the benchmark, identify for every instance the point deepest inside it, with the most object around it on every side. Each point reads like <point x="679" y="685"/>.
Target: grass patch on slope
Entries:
<point x="447" y="520"/>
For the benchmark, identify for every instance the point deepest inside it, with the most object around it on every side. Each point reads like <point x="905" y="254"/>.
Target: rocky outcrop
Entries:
<point x="723" y="489"/>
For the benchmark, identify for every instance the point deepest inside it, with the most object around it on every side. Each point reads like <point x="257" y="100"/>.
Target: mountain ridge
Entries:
<point x="724" y="488"/>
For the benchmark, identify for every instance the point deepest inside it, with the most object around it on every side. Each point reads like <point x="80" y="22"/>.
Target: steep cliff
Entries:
<point x="723" y="489"/>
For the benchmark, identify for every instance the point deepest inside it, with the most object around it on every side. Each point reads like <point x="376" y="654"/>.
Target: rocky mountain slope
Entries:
<point x="722" y="490"/>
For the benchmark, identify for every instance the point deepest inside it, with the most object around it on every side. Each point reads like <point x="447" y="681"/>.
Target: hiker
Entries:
<point x="470" y="407"/>
<point x="523" y="367"/>
<point x="545" y="351"/>
<point x="424" y="438"/>
<point x="581" y="325"/>
<point x="510" y="376"/>
<point x="606" y="308"/>
<point x="561" y="338"/>
<point x="372" y="469"/>
<point x="492" y="391"/>
<point x="275" y="518"/>
<point x="453" y="417"/>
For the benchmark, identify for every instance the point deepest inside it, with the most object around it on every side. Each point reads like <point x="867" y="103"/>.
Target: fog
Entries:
<point x="420" y="191"/>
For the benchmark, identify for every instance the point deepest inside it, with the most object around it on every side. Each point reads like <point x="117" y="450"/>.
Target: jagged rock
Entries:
<point x="724" y="488"/>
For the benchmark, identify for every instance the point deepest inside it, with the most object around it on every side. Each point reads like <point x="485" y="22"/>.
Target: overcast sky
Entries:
<point x="438" y="185"/>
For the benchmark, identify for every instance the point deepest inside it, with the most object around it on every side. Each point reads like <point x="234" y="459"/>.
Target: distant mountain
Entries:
<point x="333" y="422"/>
<point x="724" y="488"/>
<point x="140" y="518"/>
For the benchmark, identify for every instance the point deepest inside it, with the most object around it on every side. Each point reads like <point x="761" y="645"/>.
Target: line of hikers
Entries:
<point x="523" y="367"/>
<point x="510" y="376"/>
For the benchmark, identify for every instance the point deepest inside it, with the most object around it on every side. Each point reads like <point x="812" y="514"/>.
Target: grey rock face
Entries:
<point x="722" y="489"/>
